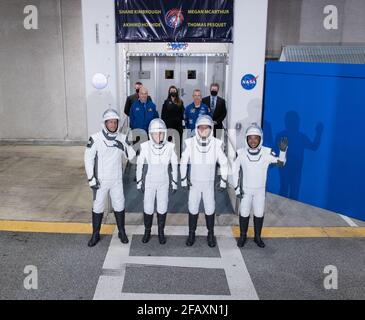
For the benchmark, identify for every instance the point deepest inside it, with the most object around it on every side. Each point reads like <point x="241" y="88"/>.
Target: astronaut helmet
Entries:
<point x="156" y="127"/>
<point x="255" y="135"/>
<point x="204" y="136"/>
<point x="111" y="114"/>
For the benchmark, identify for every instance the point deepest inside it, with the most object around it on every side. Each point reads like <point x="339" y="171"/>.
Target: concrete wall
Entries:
<point x="283" y="25"/>
<point x="293" y="22"/>
<point x="42" y="92"/>
<point x="247" y="56"/>
<point x="100" y="57"/>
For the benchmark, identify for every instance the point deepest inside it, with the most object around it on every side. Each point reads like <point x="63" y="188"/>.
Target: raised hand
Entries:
<point x="283" y="144"/>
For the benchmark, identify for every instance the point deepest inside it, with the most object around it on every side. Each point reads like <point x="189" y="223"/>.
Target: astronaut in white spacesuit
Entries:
<point x="157" y="154"/>
<point x="202" y="152"/>
<point x="103" y="165"/>
<point x="254" y="159"/>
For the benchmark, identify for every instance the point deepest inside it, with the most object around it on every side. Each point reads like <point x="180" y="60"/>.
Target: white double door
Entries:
<point x="187" y="73"/>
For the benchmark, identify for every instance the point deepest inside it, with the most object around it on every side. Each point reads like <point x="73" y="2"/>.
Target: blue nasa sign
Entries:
<point x="249" y="81"/>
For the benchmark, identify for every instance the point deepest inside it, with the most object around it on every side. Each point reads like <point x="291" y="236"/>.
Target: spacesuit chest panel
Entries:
<point x="158" y="157"/>
<point x="203" y="161"/>
<point x="158" y="161"/>
<point x="109" y="160"/>
<point x="254" y="170"/>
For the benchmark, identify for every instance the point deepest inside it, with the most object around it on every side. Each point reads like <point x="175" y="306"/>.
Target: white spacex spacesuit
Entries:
<point x="254" y="163"/>
<point x="157" y="155"/>
<point x="103" y="165"/>
<point x="202" y="154"/>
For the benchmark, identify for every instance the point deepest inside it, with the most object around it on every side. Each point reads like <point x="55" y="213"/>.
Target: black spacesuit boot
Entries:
<point x="258" y="222"/>
<point x="161" y="219"/>
<point x="193" y="220"/>
<point x="97" y="219"/>
<point x="210" y="226"/>
<point x="120" y="219"/>
<point x="147" y="218"/>
<point x="243" y="231"/>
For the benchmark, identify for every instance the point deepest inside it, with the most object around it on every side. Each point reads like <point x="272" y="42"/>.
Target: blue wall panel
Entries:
<point x="321" y="109"/>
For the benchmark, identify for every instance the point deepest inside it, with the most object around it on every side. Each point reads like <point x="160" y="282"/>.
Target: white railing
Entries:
<point x="230" y="151"/>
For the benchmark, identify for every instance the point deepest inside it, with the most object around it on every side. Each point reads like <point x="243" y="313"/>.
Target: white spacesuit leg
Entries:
<point x="100" y="197"/>
<point x="149" y="199"/>
<point x="208" y="198"/>
<point x="194" y="199"/>
<point x="117" y="196"/>
<point x="258" y="203"/>
<point x="162" y="197"/>
<point x="246" y="204"/>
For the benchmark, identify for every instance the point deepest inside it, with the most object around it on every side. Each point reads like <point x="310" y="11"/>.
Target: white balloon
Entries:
<point x="99" y="81"/>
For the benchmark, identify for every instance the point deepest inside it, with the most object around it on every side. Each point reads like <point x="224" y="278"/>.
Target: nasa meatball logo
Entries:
<point x="249" y="81"/>
<point x="174" y="18"/>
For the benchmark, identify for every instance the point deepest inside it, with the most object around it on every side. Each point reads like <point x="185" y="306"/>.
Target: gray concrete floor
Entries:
<point x="181" y="280"/>
<point x="43" y="183"/>
<point x="48" y="183"/>
<point x="294" y="268"/>
<point x="66" y="267"/>
<point x="286" y="269"/>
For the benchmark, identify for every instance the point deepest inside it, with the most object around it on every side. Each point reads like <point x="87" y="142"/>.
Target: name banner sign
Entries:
<point x="174" y="20"/>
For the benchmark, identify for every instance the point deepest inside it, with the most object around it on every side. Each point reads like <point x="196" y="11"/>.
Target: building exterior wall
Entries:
<point x="42" y="83"/>
<point x="292" y="22"/>
<point x="45" y="85"/>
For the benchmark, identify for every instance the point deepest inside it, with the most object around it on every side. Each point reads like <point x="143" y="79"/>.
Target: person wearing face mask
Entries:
<point x="157" y="154"/>
<point x="217" y="106"/>
<point x="133" y="98"/>
<point x="103" y="166"/>
<point x="202" y="152"/>
<point x="194" y="110"/>
<point x="173" y="111"/>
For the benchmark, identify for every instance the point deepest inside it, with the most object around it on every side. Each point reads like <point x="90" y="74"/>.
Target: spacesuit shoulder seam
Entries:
<point x="96" y="137"/>
<point x="171" y="145"/>
<point x="240" y="152"/>
<point x="188" y="141"/>
<point x="144" y="145"/>
<point x="218" y="142"/>
<point x="121" y="137"/>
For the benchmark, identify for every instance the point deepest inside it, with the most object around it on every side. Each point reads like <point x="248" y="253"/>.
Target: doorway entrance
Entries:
<point x="159" y="72"/>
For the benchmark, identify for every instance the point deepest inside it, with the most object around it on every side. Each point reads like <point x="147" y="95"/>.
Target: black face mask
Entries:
<point x="137" y="91"/>
<point x="173" y="94"/>
<point x="213" y="93"/>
